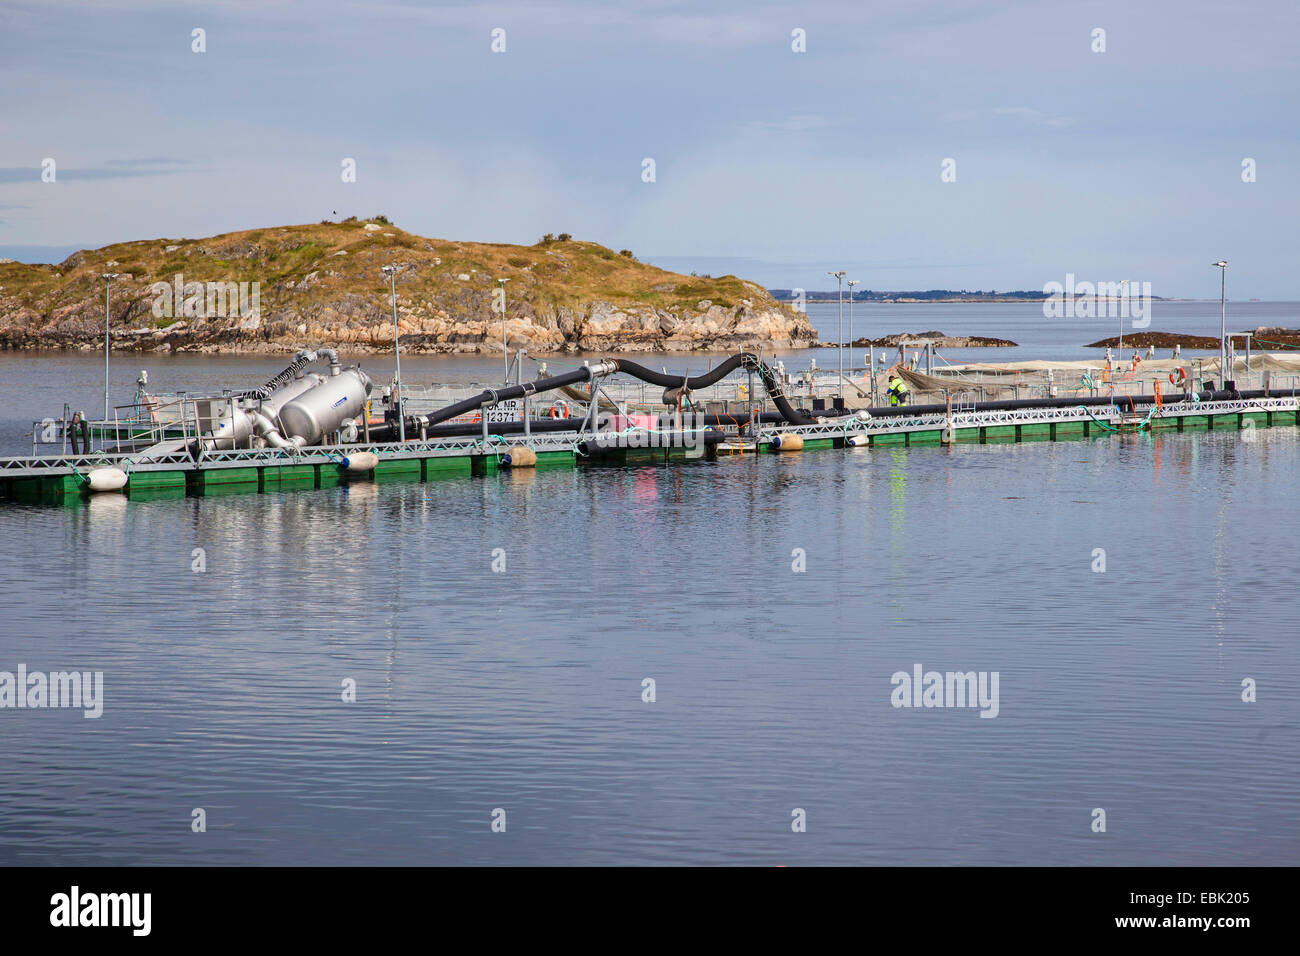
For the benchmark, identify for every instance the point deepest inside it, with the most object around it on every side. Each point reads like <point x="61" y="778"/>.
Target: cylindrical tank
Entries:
<point x="319" y="411"/>
<point x="287" y="393"/>
<point x="235" y="431"/>
<point x="231" y="432"/>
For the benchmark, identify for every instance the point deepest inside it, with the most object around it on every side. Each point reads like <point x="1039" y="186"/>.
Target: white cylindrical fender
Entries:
<point x="362" y="461"/>
<point x="787" y="443"/>
<point x="859" y="441"/>
<point x="106" y="479"/>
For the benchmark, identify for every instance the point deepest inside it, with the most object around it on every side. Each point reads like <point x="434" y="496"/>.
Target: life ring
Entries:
<point x="1178" y="376"/>
<point x="560" y="404"/>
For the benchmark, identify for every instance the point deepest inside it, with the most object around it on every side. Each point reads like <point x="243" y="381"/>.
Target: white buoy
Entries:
<point x="362" y="461"/>
<point x="858" y="441"/>
<point x="788" y="443"/>
<point x="106" y="479"/>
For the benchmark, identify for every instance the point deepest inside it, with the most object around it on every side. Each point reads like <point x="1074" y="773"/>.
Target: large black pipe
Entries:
<point x="389" y="431"/>
<point x="746" y="360"/>
<point x="508" y="393"/>
<point x="711" y="377"/>
<point x="785" y="411"/>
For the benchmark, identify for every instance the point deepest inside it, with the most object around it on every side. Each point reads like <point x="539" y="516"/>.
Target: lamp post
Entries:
<point x="851" y="284"/>
<point x="505" y="351"/>
<point x="108" y="282"/>
<point x="391" y="272"/>
<point x="840" y="276"/>
<point x="1223" y="321"/>
<point x="1123" y="291"/>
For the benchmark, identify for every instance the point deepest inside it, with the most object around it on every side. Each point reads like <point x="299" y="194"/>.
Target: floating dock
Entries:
<point x="64" y="479"/>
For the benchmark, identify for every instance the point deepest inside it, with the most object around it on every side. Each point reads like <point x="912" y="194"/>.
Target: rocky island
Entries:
<point x="1264" y="338"/>
<point x="938" y="339"/>
<point x="278" y="289"/>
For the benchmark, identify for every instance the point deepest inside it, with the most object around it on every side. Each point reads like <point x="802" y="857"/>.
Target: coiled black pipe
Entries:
<point x="490" y="396"/>
<point x="508" y="393"/>
<point x="747" y="360"/>
<point x="271" y="384"/>
<point x="788" y="412"/>
<point x="711" y="377"/>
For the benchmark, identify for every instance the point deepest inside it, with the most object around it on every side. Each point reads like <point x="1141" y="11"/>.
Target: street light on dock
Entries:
<point x="1223" y="321"/>
<point x="840" y="276"/>
<point x="505" y="351"/>
<point x="1123" y="292"/>
<point x="108" y="283"/>
<point x="391" y="272"/>
<point x="851" y="284"/>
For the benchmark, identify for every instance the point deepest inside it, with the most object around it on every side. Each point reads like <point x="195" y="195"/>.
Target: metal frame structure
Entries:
<point x="962" y="417"/>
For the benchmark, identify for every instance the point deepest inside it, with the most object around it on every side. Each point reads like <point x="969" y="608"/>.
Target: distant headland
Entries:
<point x="929" y="295"/>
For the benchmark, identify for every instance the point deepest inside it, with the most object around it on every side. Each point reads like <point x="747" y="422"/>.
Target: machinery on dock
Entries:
<point x="319" y="427"/>
<point x="291" y="411"/>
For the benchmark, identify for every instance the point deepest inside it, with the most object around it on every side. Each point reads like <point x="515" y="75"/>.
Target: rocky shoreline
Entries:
<point x="914" y="339"/>
<point x="595" y="327"/>
<point x="1265" y="338"/>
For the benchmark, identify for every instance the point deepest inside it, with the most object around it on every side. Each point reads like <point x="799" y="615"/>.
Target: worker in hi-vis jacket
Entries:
<point x="897" y="390"/>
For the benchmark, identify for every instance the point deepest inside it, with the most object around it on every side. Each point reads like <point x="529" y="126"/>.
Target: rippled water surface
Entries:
<point x="522" y="689"/>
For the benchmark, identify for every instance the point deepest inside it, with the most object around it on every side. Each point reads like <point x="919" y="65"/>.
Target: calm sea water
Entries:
<point x="521" y="689"/>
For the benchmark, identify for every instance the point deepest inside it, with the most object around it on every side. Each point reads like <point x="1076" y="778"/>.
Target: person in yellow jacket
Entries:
<point x="897" y="390"/>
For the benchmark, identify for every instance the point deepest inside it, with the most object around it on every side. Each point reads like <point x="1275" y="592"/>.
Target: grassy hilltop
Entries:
<point x="321" y="284"/>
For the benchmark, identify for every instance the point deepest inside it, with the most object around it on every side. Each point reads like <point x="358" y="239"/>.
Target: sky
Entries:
<point x="769" y="162"/>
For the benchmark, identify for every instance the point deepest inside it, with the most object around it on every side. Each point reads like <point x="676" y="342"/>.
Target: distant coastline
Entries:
<point x="939" y="295"/>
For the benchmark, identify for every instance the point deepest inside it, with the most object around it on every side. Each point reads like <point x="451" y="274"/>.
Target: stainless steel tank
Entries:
<point x="320" y="410"/>
<point x="231" y="429"/>
<point x="287" y="393"/>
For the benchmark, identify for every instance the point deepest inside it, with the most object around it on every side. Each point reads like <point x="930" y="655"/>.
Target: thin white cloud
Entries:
<point x="798" y="123"/>
<point x="1034" y="117"/>
<point x="1025" y="114"/>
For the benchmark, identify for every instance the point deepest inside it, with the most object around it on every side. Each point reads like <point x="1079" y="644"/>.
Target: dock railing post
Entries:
<point x="526" y="405"/>
<point x="391" y="272"/>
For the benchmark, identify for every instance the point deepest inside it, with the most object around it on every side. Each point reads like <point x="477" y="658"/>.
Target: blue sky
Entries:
<point x="772" y="164"/>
